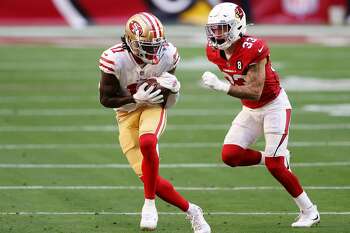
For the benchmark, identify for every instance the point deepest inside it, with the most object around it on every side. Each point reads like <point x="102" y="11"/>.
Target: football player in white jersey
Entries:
<point x="141" y="111"/>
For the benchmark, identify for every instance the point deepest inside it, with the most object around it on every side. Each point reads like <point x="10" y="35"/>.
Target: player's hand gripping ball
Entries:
<point x="156" y="86"/>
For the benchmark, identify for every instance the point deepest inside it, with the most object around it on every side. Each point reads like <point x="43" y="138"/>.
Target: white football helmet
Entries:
<point x="226" y="24"/>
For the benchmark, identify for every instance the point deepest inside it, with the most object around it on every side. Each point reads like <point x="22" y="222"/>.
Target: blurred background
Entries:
<point x="78" y="13"/>
<point x="100" y="22"/>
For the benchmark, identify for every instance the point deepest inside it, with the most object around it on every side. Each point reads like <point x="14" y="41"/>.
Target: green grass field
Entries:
<point x="52" y="128"/>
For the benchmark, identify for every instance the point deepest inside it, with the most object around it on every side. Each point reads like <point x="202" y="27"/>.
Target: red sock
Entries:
<point x="150" y="164"/>
<point x="166" y="191"/>
<point x="289" y="181"/>
<point x="234" y="155"/>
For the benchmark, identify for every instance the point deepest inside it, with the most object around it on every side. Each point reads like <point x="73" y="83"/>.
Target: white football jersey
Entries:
<point x="119" y="62"/>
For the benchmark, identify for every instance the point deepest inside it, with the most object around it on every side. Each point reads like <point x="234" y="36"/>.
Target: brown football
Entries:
<point x="153" y="82"/>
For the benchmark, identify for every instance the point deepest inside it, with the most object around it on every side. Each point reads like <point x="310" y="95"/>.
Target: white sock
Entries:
<point x="150" y="202"/>
<point x="262" y="161"/>
<point x="303" y="201"/>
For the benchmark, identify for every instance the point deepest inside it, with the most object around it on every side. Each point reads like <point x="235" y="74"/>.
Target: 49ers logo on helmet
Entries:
<point x="239" y="12"/>
<point x="135" y="27"/>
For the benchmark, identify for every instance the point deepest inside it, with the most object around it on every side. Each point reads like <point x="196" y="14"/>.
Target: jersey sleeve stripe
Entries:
<point x="106" y="67"/>
<point x="118" y="48"/>
<point x="108" y="61"/>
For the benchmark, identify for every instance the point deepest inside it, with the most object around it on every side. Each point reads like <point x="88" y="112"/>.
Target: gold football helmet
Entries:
<point x="144" y="34"/>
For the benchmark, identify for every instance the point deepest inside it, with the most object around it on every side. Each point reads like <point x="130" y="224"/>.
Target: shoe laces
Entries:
<point x="147" y="215"/>
<point x="301" y="215"/>
<point x="195" y="220"/>
<point x="297" y="218"/>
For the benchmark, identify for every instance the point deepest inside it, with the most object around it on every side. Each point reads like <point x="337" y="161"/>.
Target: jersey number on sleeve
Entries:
<point x="249" y="43"/>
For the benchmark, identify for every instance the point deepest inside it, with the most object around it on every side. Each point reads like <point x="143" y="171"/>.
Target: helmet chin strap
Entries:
<point x="239" y="36"/>
<point x="245" y="27"/>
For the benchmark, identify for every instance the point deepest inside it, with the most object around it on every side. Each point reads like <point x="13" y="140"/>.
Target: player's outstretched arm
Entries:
<point x="254" y="83"/>
<point x="110" y="96"/>
<point x="252" y="88"/>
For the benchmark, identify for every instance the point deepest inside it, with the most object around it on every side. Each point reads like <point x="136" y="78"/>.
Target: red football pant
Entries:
<point x="289" y="181"/>
<point x="234" y="155"/>
<point x="150" y="164"/>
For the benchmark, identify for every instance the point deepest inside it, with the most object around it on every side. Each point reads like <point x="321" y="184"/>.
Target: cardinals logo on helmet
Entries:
<point x="136" y="28"/>
<point x="239" y="12"/>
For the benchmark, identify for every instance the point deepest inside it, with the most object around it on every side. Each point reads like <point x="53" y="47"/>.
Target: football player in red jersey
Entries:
<point x="141" y="112"/>
<point x="245" y="62"/>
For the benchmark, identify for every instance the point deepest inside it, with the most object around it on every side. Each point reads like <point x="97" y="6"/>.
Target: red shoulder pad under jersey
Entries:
<point x="256" y="49"/>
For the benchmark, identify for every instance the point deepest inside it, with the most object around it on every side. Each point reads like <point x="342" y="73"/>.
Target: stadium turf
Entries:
<point x="61" y="169"/>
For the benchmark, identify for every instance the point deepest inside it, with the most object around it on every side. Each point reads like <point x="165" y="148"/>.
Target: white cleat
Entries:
<point x="307" y="218"/>
<point x="149" y="218"/>
<point x="195" y="215"/>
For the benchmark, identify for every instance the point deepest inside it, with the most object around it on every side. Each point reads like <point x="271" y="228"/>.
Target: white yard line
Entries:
<point x="112" y="187"/>
<point x="183" y="98"/>
<point x="163" y="166"/>
<point x="165" y="213"/>
<point x="63" y="112"/>
<point x="197" y="112"/>
<point x="96" y="112"/>
<point x="188" y="145"/>
<point x="174" y="127"/>
<point x="46" y="99"/>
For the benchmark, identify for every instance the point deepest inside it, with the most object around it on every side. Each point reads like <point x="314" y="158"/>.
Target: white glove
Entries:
<point x="143" y="96"/>
<point x="211" y="81"/>
<point x="169" y="81"/>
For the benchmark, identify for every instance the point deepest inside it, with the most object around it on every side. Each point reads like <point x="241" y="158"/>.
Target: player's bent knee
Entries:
<point x="275" y="164"/>
<point x="148" y="142"/>
<point x="134" y="157"/>
<point x="231" y="154"/>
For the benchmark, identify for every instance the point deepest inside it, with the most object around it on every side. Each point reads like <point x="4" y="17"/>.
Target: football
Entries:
<point x="153" y="82"/>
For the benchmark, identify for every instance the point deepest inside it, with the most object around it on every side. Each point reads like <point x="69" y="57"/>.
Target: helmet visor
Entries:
<point x="151" y="51"/>
<point x="218" y="33"/>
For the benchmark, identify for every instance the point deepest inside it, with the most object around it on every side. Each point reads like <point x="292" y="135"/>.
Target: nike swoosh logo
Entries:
<point x="259" y="50"/>
<point x="315" y="218"/>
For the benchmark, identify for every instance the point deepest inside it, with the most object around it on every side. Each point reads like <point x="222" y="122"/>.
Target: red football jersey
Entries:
<point x="249" y="51"/>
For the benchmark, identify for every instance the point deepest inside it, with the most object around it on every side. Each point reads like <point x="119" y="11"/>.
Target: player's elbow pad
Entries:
<point x="171" y="100"/>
